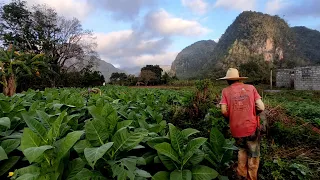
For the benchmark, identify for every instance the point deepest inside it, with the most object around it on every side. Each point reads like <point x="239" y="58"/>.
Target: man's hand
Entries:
<point x="263" y="122"/>
<point x="224" y="110"/>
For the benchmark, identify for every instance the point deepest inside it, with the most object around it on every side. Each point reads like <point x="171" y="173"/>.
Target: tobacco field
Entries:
<point x="128" y="133"/>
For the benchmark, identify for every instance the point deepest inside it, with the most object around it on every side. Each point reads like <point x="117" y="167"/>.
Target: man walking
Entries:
<point x="241" y="104"/>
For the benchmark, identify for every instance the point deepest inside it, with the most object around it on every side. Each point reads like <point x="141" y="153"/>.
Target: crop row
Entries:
<point x="120" y="134"/>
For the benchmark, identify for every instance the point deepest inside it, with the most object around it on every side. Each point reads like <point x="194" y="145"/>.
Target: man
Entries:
<point x="241" y="104"/>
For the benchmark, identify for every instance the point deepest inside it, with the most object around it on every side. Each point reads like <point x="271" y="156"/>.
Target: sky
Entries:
<point x="132" y="33"/>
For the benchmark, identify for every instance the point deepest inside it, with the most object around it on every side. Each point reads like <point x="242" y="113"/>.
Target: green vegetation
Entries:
<point x="124" y="133"/>
<point x="308" y="43"/>
<point x="135" y="133"/>
<point x="43" y="49"/>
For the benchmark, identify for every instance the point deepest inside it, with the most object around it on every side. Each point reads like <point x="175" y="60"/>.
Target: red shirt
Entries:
<point x="240" y="100"/>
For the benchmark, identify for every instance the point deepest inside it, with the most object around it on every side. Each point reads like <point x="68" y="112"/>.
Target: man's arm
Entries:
<point x="259" y="106"/>
<point x="224" y="110"/>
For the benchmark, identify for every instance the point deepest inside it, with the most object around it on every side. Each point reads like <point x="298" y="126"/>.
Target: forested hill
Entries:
<point x="192" y="58"/>
<point x="258" y="37"/>
<point x="308" y="43"/>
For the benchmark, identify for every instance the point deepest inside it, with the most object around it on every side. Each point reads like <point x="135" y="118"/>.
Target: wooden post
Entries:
<point x="271" y="78"/>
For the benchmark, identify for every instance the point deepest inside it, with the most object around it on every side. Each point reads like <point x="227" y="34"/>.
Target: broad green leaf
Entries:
<point x="10" y="144"/>
<point x="73" y="116"/>
<point x="166" y="149"/>
<point x="94" y="154"/>
<point x="209" y="155"/>
<point x="29" y="139"/>
<point x="29" y="176"/>
<point x="45" y="118"/>
<point x="54" y="132"/>
<point x="161" y="175"/>
<point x="203" y="173"/>
<point x="8" y="164"/>
<point x="192" y="147"/>
<point x="157" y="140"/>
<point x="176" y="139"/>
<point x="124" y="140"/>
<point x="81" y="145"/>
<point x="33" y="153"/>
<point x="32" y="169"/>
<point x="181" y="175"/>
<point x="67" y="143"/>
<point x="96" y="132"/>
<point x="15" y="135"/>
<point x="217" y="140"/>
<point x="34" y="106"/>
<point x="125" y="123"/>
<point x="86" y="174"/>
<point x="142" y="173"/>
<point x="142" y="123"/>
<point x="188" y="132"/>
<point x="35" y="125"/>
<point x="227" y="156"/>
<point x="74" y="167"/>
<point x="197" y="157"/>
<point x="149" y="157"/>
<point x="5" y="121"/>
<point x="3" y="154"/>
<point x="119" y="172"/>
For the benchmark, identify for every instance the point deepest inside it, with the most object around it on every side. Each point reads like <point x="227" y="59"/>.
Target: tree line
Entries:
<point x="150" y="75"/>
<point x="41" y="48"/>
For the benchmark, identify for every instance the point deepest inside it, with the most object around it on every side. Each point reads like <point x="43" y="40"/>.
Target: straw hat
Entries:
<point x="233" y="74"/>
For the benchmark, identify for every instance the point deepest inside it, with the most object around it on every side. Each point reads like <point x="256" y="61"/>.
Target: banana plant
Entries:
<point x="219" y="151"/>
<point x="181" y="156"/>
<point x="13" y="63"/>
<point x="108" y="142"/>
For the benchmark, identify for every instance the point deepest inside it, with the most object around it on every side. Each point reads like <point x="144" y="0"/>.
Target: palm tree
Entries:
<point x="12" y="64"/>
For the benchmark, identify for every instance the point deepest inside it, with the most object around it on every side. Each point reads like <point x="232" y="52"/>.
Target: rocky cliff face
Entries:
<point x="254" y="35"/>
<point x="191" y="59"/>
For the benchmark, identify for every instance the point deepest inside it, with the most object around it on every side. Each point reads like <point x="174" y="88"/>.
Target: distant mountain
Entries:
<point x="308" y="43"/>
<point x="191" y="59"/>
<point x="252" y="36"/>
<point x="104" y="67"/>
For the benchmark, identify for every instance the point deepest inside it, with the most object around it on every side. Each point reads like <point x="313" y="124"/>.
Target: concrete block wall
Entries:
<point x="284" y="78"/>
<point x="307" y="78"/>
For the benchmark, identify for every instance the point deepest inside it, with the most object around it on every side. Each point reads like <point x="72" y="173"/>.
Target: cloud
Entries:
<point x="241" y="5"/>
<point x="124" y="9"/>
<point x="294" y="9"/>
<point x="274" y="6"/>
<point x="197" y="6"/>
<point x="163" y="23"/>
<point x="307" y="8"/>
<point x="147" y="42"/>
<point x="68" y="8"/>
<point x="128" y="48"/>
<point x="159" y="59"/>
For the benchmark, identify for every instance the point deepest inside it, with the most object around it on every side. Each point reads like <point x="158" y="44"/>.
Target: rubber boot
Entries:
<point x="253" y="166"/>
<point x="242" y="169"/>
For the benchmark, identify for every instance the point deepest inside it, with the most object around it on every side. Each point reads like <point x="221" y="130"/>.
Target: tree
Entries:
<point x="156" y="77"/>
<point x="118" y="78"/>
<point x="41" y="30"/>
<point x="148" y="76"/>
